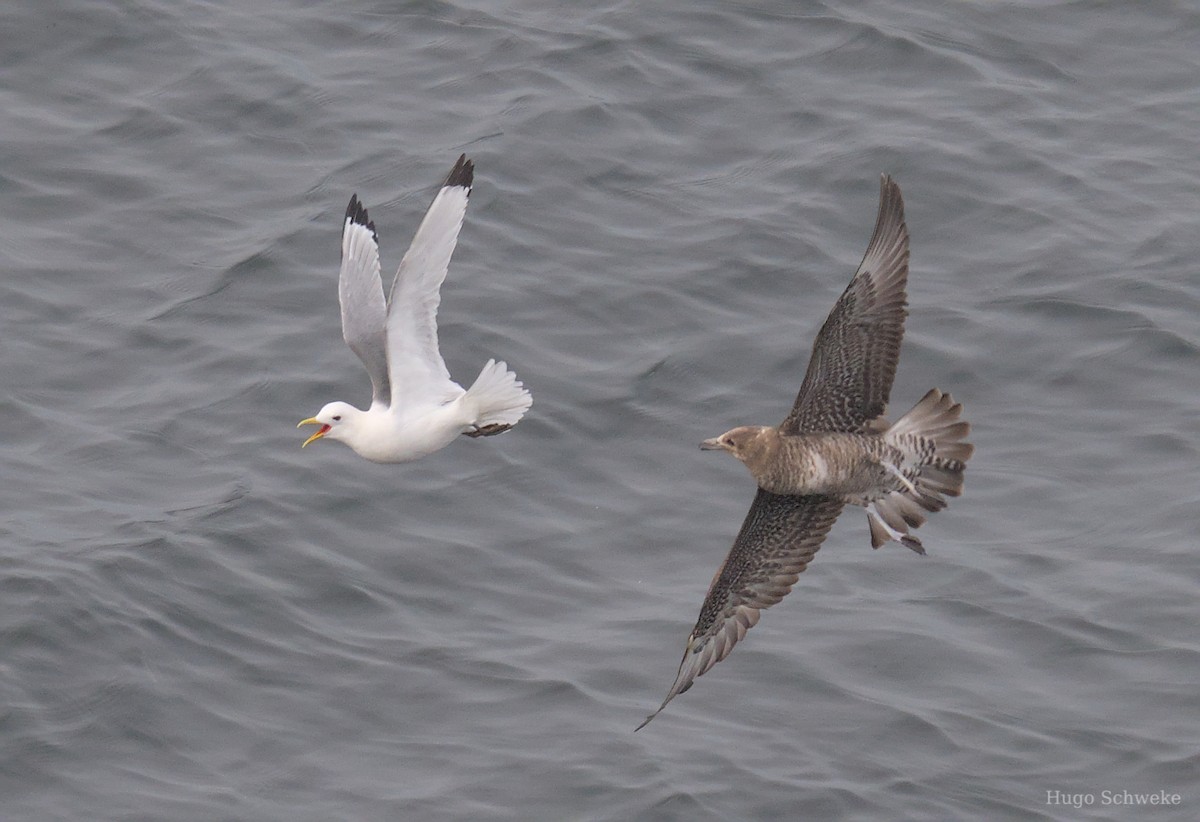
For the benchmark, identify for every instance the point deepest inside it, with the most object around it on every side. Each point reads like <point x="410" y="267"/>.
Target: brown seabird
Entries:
<point x="834" y="448"/>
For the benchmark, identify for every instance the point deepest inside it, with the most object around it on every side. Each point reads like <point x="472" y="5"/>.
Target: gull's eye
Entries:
<point x="729" y="441"/>
<point x="338" y="418"/>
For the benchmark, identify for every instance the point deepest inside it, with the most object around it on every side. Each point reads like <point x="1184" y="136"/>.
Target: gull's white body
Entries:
<point x="384" y="434"/>
<point x="416" y="408"/>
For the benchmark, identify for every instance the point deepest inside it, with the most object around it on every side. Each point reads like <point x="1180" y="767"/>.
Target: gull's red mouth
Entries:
<point x="324" y="430"/>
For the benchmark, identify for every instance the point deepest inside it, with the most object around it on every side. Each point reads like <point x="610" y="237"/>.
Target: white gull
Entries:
<point x="416" y="408"/>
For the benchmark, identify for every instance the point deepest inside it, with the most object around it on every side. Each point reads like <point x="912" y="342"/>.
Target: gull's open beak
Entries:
<point x="311" y="421"/>
<point x="712" y="445"/>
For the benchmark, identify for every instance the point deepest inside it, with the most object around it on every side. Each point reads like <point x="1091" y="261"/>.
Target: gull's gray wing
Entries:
<point x="360" y="292"/>
<point x="854" y="357"/>
<point x="415" y="364"/>
<point x="778" y="539"/>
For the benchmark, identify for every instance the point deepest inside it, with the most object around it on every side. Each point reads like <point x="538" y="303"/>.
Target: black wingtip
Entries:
<point x="463" y="173"/>
<point x="356" y="213"/>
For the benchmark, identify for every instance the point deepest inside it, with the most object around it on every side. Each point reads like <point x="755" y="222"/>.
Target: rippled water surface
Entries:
<point x="200" y="621"/>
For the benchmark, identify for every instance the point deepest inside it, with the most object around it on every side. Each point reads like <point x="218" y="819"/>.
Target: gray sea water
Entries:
<point x="200" y="621"/>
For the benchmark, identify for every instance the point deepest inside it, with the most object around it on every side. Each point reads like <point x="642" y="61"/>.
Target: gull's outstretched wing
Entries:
<point x="415" y="364"/>
<point x="854" y="357"/>
<point x="360" y="292"/>
<point x="778" y="539"/>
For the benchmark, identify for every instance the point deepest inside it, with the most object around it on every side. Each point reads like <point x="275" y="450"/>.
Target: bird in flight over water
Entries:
<point x="834" y="448"/>
<point x="416" y="408"/>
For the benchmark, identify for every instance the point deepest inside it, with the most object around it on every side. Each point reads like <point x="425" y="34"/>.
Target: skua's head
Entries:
<point x="744" y="442"/>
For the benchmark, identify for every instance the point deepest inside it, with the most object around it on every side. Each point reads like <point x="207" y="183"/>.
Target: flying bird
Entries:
<point x="416" y="408"/>
<point x="835" y="448"/>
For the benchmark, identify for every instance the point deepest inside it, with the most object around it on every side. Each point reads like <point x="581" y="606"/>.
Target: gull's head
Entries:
<point x="746" y="442"/>
<point x="336" y="420"/>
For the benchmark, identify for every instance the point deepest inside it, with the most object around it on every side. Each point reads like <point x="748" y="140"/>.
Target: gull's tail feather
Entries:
<point x="498" y="400"/>
<point x="935" y="456"/>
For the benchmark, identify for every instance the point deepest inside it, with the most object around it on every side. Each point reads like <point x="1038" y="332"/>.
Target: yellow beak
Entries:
<point x="311" y="421"/>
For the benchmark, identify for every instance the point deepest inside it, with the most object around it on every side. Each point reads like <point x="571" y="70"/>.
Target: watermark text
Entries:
<point x="1107" y="797"/>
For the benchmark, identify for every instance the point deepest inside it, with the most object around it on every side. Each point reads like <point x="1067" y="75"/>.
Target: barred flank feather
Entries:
<point x="935" y="457"/>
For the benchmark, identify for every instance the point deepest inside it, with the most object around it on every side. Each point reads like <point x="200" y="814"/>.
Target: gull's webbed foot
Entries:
<point x="487" y="430"/>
